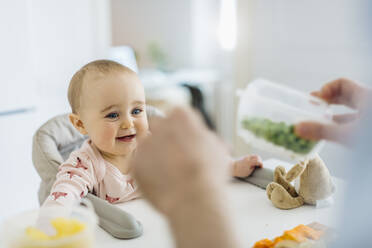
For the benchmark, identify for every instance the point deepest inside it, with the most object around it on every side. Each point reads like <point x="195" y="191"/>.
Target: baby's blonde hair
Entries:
<point x="98" y="66"/>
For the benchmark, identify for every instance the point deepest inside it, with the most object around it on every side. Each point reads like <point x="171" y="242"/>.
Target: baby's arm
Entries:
<point x="244" y="166"/>
<point x="73" y="181"/>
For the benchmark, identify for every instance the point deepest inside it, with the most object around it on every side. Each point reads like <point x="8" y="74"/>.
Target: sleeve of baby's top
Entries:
<point x="75" y="178"/>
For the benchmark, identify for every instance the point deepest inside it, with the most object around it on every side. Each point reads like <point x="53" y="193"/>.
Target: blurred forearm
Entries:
<point x="202" y="221"/>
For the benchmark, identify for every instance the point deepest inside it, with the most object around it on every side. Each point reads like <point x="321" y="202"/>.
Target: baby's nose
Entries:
<point x="126" y="124"/>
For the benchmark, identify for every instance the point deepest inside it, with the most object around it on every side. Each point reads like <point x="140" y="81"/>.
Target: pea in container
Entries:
<point x="267" y="113"/>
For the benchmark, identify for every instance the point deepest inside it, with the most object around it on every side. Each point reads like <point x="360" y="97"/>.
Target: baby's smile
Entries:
<point x="126" y="138"/>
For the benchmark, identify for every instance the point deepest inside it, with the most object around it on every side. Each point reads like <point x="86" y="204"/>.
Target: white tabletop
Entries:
<point x="253" y="216"/>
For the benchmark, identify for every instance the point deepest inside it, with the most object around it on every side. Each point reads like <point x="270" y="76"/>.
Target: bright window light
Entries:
<point x="227" y="26"/>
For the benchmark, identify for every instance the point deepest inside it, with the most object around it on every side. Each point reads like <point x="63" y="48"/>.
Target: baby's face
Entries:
<point x="113" y="112"/>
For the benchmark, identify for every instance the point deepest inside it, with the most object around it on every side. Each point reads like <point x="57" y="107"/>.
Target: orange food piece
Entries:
<point x="278" y="239"/>
<point x="298" y="234"/>
<point x="264" y="243"/>
<point x="293" y="235"/>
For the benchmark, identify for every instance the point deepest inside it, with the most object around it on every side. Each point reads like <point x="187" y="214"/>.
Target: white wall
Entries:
<point x="43" y="42"/>
<point x="166" y="22"/>
<point x="303" y="44"/>
<point x="15" y="53"/>
<point x="64" y="36"/>
<point x="186" y="30"/>
<point x="205" y="47"/>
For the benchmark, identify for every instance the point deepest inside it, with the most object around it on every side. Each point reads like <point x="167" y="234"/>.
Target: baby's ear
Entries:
<point x="77" y="123"/>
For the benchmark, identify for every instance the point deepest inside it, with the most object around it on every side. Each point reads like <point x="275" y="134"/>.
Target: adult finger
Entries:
<point x="345" y="118"/>
<point x="318" y="131"/>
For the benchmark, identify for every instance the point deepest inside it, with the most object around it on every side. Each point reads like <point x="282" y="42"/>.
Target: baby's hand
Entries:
<point x="245" y="166"/>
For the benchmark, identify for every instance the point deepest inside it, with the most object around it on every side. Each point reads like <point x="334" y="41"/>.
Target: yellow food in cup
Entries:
<point x="70" y="233"/>
<point x="64" y="228"/>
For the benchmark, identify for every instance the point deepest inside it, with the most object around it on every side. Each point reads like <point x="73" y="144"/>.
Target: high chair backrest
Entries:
<point x="52" y="144"/>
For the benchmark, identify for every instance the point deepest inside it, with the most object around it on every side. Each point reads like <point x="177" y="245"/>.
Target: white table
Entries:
<point x="253" y="216"/>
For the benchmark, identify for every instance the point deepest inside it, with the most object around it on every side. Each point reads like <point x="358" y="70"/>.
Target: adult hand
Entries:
<point x="179" y="169"/>
<point x="178" y="159"/>
<point x="341" y="91"/>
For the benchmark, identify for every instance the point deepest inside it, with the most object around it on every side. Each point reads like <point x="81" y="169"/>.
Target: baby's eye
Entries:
<point x="136" y="111"/>
<point x="112" y="116"/>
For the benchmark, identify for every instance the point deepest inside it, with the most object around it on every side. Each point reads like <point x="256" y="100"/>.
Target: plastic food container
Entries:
<point x="267" y="113"/>
<point x="13" y="231"/>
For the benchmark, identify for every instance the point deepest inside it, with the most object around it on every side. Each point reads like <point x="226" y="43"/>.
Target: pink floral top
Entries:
<point x="86" y="171"/>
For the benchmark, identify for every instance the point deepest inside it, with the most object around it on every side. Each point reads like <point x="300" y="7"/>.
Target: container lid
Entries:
<point x="279" y="95"/>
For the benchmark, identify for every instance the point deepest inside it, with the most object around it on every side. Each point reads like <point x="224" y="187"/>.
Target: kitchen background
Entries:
<point x="186" y="52"/>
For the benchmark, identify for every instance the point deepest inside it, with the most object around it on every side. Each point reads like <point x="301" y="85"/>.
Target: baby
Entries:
<point x="108" y="104"/>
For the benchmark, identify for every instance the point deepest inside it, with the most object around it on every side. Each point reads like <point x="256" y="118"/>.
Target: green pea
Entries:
<point x="278" y="133"/>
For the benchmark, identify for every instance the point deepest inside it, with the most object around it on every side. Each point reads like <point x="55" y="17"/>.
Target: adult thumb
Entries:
<point x="317" y="131"/>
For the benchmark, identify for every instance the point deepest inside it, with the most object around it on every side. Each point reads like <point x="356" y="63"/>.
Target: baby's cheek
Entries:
<point x="108" y="134"/>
